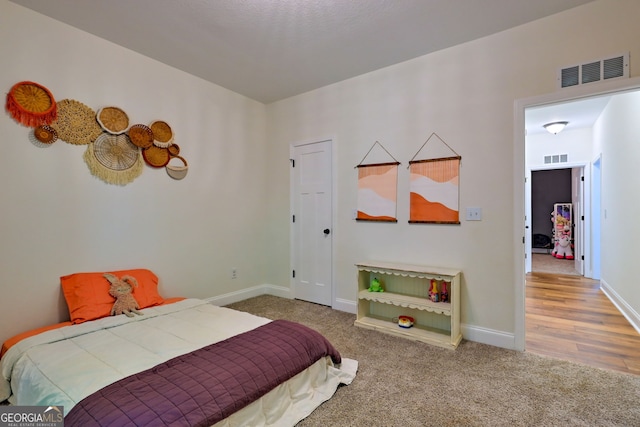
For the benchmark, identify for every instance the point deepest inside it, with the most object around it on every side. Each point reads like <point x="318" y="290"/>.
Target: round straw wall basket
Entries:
<point x="156" y="157"/>
<point x="177" y="171"/>
<point x="162" y="134"/>
<point x="31" y="104"/>
<point x="174" y="150"/>
<point x="45" y="134"/>
<point x="141" y="135"/>
<point x="113" y="120"/>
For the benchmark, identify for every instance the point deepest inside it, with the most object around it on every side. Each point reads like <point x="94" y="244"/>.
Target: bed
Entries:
<point x="182" y="362"/>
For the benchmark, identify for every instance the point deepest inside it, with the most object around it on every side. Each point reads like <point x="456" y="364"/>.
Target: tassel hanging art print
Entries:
<point x="377" y="190"/>
<point x="434" y="189"/>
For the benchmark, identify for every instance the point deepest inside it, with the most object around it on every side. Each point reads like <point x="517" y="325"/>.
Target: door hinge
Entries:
<point x="294" y="218"/>
<point x="582" y="178"/>
<point x="582" y="257"/>
<point x="294" y="274"/>
<point x="523" y="240"/>
<point x="582" y="217"/>
<point x="293" y="163"/>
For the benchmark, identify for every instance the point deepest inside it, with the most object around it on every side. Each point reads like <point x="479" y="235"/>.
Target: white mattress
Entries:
<point x="63" y="366"/>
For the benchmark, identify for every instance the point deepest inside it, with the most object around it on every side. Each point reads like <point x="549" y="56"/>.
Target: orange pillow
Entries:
<point x="87" y="294"/>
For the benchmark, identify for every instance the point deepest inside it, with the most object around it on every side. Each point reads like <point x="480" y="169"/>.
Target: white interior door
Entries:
<point x="577" y="199"/>
<point x="527" y="223"/>
<point x="312" y="222"/>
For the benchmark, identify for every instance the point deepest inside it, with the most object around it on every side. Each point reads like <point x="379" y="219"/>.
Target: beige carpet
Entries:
<point x="406" y="383"/>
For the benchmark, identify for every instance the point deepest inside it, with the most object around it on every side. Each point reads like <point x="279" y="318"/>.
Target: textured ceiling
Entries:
<point x="273" y="49"/>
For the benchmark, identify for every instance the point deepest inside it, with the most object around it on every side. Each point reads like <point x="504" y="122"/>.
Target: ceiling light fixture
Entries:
<point x="555" y="127"/>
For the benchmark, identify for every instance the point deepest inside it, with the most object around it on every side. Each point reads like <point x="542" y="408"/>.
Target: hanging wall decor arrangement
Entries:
<point x="45" y="134"/>
<point x="76" y="123"/>
<point x="113" y="120"/>
<point x="377" y="189"/>
<point x="31" y="104"/>
<point x="177" y="172"/>
<point x="434" y="189"/>
<point x="114" y="159"/>
<point x="116" y="152"/>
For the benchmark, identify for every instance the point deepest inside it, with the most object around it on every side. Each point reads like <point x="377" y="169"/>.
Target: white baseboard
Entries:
<point x="489" y="336"/>
<point x="278" y="291"/>
<point x="471" y="333"/>
<point x="345" y="305"/>
<point x="627" y="311"/>
<point x="256" y="291"/>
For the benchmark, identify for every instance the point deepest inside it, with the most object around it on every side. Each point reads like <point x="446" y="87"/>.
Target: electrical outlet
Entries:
<point x="234" y="273"/>
<point x="474" y="214"/>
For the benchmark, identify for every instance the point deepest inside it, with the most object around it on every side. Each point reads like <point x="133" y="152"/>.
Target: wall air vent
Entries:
<point x="556" y="158"/>
<point x="594" y="71"/>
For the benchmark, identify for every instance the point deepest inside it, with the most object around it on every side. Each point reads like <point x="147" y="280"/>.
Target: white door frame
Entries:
<point x="563" y="95"/>
<point x="292" y="195"/>
<point x="595" y="212"/>
<point x="584" y="236"/>
<point x="581" y="184"/>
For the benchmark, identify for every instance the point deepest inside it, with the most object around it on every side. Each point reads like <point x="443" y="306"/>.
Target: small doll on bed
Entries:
<point x="121" y="290"/>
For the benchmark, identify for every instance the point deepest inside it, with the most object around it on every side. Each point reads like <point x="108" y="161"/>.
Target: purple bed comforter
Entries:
<point x="205" y="386"/>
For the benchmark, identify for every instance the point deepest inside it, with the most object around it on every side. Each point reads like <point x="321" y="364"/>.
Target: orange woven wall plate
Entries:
<point x="31" y="104"/>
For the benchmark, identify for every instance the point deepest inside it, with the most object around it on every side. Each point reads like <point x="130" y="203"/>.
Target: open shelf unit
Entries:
<point x="406" y="292"/>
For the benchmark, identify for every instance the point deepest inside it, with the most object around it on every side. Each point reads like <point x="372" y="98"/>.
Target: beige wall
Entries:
<point x="56" y="218"/>
<point x="466" y="95"/>
<point x="232" y="210"/>
<point x="616" y="138"/>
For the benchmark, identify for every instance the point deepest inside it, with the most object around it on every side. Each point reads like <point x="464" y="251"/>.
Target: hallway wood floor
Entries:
<point x="570" y="318"/>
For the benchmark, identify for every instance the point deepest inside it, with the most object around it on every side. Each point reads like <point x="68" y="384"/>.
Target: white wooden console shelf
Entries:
<point x="406" y="292"/>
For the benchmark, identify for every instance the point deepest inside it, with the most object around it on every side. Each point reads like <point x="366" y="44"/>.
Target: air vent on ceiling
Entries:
<point x="594" y="71"/>
<point x="556" y="158"/>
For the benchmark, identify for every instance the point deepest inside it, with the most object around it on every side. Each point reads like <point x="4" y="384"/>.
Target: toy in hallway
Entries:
<point x="562" y="249"/>
<point x="434" y="295"/>
<point x="376" y="286"/>
<point x="561" y="219"/>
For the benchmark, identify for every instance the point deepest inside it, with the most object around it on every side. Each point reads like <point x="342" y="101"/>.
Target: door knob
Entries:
<point x="327" y="231"/>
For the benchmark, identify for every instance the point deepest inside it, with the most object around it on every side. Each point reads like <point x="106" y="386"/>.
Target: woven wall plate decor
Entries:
<point x="162" y="134"/>
<point x="45" y="134"/>
<point x="141" y="135"/>
<point x="76" y="123"/>
<point x="156" y="157"/>
<point x="116" y="152"/>
<point x="31" y="104"/>
<point x="175" y="171"/>
<point x="113" y="120"/>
